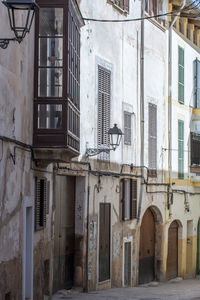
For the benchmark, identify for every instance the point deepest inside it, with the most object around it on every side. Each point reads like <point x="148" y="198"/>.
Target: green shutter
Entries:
<point x="180" y="75"/>
<point x="180" y="149"/>
<point x="197" y="83"/>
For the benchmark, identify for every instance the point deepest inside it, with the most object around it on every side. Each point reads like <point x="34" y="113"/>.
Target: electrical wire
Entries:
<point x="172" y="13"/>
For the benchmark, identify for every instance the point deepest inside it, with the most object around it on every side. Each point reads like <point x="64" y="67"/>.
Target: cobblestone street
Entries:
<point x="176" y="290"/>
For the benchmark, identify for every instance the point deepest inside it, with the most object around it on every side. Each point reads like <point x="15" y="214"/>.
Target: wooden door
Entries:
<point x="104" y="242"/>
<point x="172" y="258"/>
<point x="64" y="240"/>
<point x="147" y="248"/>
<point x="127" y="264"/>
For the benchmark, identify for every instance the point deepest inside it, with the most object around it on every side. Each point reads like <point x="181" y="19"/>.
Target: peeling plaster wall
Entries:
<point x="16" y="166"/>
<point x="117" y="47"/>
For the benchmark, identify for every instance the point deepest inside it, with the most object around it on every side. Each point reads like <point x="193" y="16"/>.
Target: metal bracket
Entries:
<point x="96" y="151"/>
<point x="5" y="42"/>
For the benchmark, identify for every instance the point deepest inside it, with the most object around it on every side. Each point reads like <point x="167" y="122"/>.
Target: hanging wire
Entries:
<point x="189" y="7"/>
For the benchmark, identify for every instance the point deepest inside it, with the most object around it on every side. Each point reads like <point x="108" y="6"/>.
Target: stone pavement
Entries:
<point x="177" y="289"/>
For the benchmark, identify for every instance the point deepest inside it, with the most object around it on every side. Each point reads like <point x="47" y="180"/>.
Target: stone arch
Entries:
<point x="172" y="253"/>
<point x="157" y="229"/>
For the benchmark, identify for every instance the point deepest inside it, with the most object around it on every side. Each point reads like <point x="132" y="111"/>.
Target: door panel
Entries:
<point x="127" y="263"/>
<point x="172" y="258"/>
<point x="147" y="248"/>
<point x="64" y="241"/>
<point x="104" y="242"/>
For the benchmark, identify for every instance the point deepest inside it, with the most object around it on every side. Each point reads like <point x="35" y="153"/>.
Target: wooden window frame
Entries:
<point x="68" y="135"/>
<point x="132" y="198"/>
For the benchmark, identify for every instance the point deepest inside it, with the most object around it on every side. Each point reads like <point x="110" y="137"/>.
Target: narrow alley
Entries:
<point x="175" y="289"/>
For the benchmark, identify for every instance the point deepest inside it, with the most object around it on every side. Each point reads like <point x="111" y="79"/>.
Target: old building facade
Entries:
<point x="74" y="213"/>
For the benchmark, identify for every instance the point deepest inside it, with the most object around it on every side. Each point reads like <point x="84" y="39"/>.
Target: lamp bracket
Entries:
<point x="5" y="42"/>
<point x="96" y="151"/>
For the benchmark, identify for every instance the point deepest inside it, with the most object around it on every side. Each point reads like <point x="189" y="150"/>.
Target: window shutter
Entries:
<point x="126" y="6"/>
<point x="197" y="83"/>
<point x="180" y="75"/>
<point x="122" y="190"/>
<point x="127" y="128"/>
<point x="40" y="203"/>
<point x="195" y="149"/>
<point x="104" y="90"/>
<point x="152" y="136"/>
<point x="133" y="199"/>
<point x="180" y="149"/>
<point x="44" y="203"/>
<point x="37" y="204"/>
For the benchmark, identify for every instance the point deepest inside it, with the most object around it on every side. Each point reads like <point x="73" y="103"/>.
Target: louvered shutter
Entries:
<point x="180" y="75"/>
<point x="152" y="136"/>
<point x="180" y="149"/>
<point x="44" y="200"/>
<point x="37" y="204"/>
<point x="133" y="199"/>
<point x="122" y="190"/>
<point x="197" y="83"/>
<point x="127" y="200"/>
<point x="40" y="203"/>
<point x="126" y="6"/>
<point x="127" y="128"/>
<point x="104" y="90"/>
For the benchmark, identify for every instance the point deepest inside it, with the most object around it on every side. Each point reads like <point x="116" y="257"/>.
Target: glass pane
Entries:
<point x="51" y="52"/>
<point x="49" y="116"/>
<point x="50" y="82"/>
<point x="51" y="21"/>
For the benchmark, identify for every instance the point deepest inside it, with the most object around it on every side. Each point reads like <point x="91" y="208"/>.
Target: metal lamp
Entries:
<point x="20" y="30"/>
<point x="115" y="136"/>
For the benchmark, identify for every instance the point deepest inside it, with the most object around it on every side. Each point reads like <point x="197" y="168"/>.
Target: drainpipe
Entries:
<point x="142" y="106"/>
<point x="170" y="101"/>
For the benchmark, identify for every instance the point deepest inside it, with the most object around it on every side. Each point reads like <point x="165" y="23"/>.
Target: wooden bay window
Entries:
<point x="57" y="75"/>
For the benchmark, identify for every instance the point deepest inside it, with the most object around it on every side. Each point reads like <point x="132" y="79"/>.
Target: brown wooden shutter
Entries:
<point x="126" y="6"/>
<point x="122" y="191"/>
<point x="40" y="203"/>
<point x="133" y="199"/>
<point x="37" y="204"/>
<point x="104" y="94"/>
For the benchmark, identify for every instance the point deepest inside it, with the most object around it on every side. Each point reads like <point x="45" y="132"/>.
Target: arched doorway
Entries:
<point x="198" y="249"/>
<point x="147" y="248"/>
<point x="172" y="257"/>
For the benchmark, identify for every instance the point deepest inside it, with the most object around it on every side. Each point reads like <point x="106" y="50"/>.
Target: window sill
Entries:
<point x="122" y="11"/>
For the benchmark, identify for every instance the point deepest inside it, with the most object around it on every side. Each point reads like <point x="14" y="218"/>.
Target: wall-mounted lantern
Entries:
<point x="20" y="30"/>
<point x="115" y="136"/>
